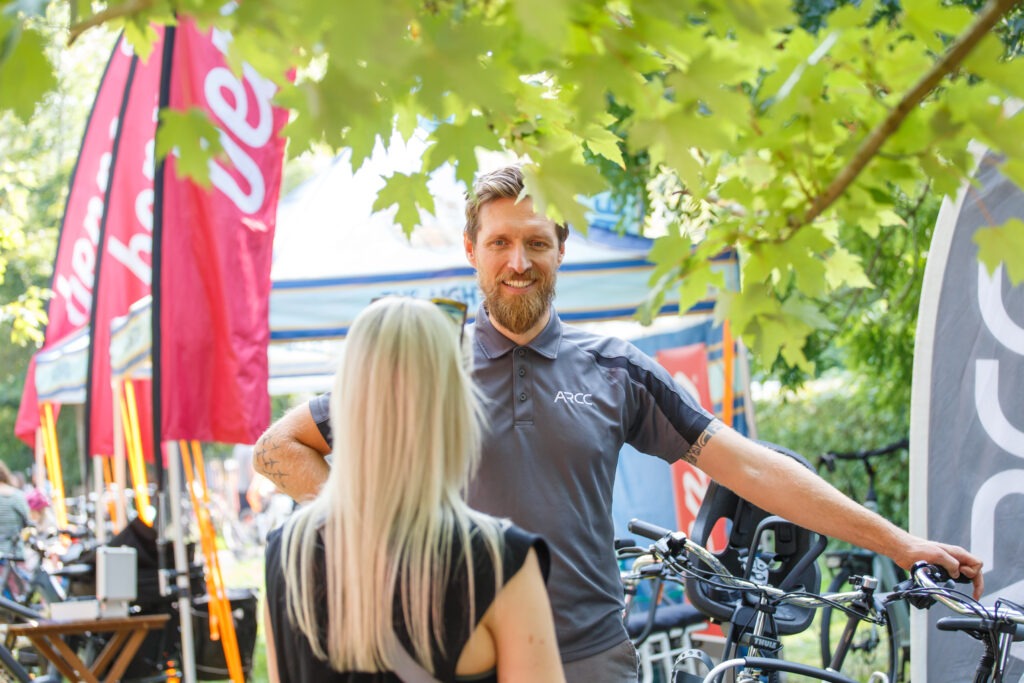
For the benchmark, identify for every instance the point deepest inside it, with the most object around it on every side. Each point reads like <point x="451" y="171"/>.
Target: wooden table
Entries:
<point x="129" y="632"/>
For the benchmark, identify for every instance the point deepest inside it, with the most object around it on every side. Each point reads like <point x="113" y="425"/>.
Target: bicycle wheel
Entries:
<point x="873" y="647"/>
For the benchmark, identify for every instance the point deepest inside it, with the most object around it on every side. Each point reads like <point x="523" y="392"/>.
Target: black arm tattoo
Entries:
<point x="691" y="456"/>
<point x="270" y="463"/>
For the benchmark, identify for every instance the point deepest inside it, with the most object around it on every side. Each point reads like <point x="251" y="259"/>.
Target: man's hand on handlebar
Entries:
<point x="954" y="559"/>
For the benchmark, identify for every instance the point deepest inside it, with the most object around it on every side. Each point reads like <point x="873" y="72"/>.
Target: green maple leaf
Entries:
<point x="193" y="138"/>
<point x="602" y="141"/>
<point x="771" y="334"/>
<point x="757" y="268"/>
<point x="361" y="137"/>
<point x="986" y="60"/>
<point x="761" y="16"/>
<point x="302" y="129"/>
<point x="842" y="267"/>
<point x="458" y="143"/>
<point x="25" y="74"/>
<point x="745" y="308"/>
<point x="544" y="21"/>
<point x="668" y="253"/>
<point x="406" y="118"/>
<point x="698" y="284"/>
<point x="1003" y="244"/>
<point x="659" y="137"/>
<point x="410" y="193"/>
<point x="141" y="35"/>
<point x="555" y="185"/>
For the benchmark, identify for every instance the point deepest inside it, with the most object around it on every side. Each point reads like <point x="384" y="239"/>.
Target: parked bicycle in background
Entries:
<point x="874" y="647"/>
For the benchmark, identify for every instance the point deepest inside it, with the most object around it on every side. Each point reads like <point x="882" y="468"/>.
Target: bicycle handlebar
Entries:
<point x="828" y="459"/>
<point x="861" y="455"/>
<point x="933" y="578"/>
<point x="671" y="547"/>
<point x="648" y="530"/>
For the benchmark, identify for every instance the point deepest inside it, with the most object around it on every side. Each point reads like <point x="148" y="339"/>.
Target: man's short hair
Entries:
<point x="504" y="183"/>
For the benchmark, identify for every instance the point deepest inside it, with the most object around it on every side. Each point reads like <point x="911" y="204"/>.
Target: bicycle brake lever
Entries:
<point x="905" y="591"/>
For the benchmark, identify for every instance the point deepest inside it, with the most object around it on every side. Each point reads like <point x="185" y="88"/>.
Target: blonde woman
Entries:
<point x="387" y="574"/>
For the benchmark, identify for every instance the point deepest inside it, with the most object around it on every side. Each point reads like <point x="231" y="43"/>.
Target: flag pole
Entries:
<point x="169" y="488"/>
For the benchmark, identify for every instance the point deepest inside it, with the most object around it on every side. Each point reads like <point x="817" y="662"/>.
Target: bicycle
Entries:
<point x="875" y="644"/>
<point x="28" y="587"/>
<point x="753" y="625"/>
<point x="34" y="584"/>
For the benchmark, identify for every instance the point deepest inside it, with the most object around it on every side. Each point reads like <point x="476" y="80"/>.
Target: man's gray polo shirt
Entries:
<point x="559" y="410"/>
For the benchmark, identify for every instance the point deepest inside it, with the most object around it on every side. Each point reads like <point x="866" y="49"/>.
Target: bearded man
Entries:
<point x="561" y="402"/>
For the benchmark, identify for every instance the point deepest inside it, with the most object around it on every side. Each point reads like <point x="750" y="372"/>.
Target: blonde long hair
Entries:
<point x="406" y="423"/>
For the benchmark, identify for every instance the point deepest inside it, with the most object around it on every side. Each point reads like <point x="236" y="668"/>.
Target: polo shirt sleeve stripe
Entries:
<point x="320" y="408"/>
<point x="658" y="392"/>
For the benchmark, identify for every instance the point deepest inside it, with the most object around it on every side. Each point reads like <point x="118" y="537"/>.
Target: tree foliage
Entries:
<point x="841" y="414"/>
<point x="36" y="158"/>
<point x="735" y="125"/>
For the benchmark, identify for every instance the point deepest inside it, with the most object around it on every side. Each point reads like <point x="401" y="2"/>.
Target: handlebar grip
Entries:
<point x="940" y="575"/>
<point x="648" y="530"/>
<point x="622" y="543"/>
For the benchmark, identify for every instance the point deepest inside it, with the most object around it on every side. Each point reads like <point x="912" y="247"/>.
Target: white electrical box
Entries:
<point x="116" y="574"/>
<point x="116" y="579"/>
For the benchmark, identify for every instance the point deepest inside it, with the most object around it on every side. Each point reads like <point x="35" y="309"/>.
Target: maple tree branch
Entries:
<point x="115" y="12"/>
<point x="957" y="52"/>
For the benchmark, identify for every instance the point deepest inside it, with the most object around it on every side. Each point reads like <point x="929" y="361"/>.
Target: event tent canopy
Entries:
<point x="333" y="254"/>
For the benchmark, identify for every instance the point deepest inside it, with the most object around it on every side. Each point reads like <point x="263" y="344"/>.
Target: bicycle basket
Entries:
<point x="792" y="561"/>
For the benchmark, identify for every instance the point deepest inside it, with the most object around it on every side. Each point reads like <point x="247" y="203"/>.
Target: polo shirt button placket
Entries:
<point x="523" y="405"/>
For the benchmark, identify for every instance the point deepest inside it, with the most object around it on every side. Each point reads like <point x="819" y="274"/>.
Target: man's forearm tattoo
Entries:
<point x="693" y="454"/>
<point x="269" y="460"/>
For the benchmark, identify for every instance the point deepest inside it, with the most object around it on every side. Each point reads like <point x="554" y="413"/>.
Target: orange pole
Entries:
<point x="133" y="449"/>
<point x="229" y="639"/>
<point x="209" y="549"/>
<point x="108" y="483"/>
<point x="728" y="371"/>
<point x="222" y="624"/>
<point x="60" y="508"/>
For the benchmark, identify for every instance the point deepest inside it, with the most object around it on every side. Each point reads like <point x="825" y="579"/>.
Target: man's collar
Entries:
<point x="495" y="344"/>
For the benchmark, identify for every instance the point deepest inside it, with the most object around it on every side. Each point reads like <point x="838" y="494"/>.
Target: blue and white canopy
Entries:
<point x="333" y="254"/>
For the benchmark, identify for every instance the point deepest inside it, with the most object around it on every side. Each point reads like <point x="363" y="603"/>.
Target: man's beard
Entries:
<point x="518" y="313"/>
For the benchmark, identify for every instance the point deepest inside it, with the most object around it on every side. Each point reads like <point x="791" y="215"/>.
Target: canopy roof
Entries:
<point x="333" y="254"/>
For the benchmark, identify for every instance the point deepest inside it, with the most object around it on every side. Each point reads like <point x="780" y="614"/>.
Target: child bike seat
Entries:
<point x="789" y="563"/>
